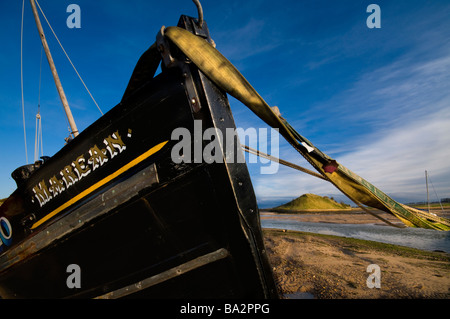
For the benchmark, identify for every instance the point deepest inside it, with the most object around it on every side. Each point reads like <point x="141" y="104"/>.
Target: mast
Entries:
<point x="58" y="84"/>
<point x="428" y="197"/>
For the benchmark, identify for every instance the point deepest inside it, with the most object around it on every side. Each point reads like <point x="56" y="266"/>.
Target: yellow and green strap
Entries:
<point x="216" y="67"/>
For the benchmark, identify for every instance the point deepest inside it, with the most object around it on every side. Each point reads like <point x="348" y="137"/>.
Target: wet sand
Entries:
<point x="350" y="216"/>
<point x="338" y="217"/>
<point x="309" y="265"/>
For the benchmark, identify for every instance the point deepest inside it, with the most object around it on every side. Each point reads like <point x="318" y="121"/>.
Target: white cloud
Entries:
<point x="251" y="39"/>
<point x="402" y="114"/>
<point x="395" y="160"/>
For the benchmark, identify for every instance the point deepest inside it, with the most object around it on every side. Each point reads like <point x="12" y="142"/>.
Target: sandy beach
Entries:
<point x="309" y="265"/>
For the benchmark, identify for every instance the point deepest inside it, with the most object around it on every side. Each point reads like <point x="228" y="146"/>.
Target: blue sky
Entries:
<point x="377" y="100"/>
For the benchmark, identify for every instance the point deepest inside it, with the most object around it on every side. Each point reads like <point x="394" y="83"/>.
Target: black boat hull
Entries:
<point x="137" y="224"/>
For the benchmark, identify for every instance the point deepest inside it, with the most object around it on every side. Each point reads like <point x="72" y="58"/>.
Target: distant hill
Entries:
<point x="312" y="201"/>
<point x="1" y="201"/>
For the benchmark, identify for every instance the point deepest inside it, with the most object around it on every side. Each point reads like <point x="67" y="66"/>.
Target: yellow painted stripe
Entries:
<point x="107" y="179"/>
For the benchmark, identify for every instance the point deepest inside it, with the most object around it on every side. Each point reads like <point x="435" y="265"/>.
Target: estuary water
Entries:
<point x="419" y="238"/>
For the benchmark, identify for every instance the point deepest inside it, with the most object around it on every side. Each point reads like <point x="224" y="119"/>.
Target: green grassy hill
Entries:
<point x="312" y="201"/>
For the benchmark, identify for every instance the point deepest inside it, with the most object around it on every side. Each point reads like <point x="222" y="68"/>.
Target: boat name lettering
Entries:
<point x="81" y="167"/>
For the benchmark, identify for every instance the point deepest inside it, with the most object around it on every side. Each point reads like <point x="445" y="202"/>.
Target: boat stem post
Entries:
<point x="58" y="84"/>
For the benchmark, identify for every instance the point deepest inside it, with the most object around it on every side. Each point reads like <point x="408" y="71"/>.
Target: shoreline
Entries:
<point x="335" y="217"/>
<point x="344" y="216"/>
<point x="307" y="265"/>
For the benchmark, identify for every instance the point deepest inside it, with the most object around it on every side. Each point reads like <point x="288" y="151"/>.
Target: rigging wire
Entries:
<point x="304" y="170"/>
<point x="70" y="61"/>
<point x="21" y="82"/>
<point x="38" y="138"/>
<point x="38" y="141"/>
<point x="437" y="197"/>
<point x="40" y="78"/>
